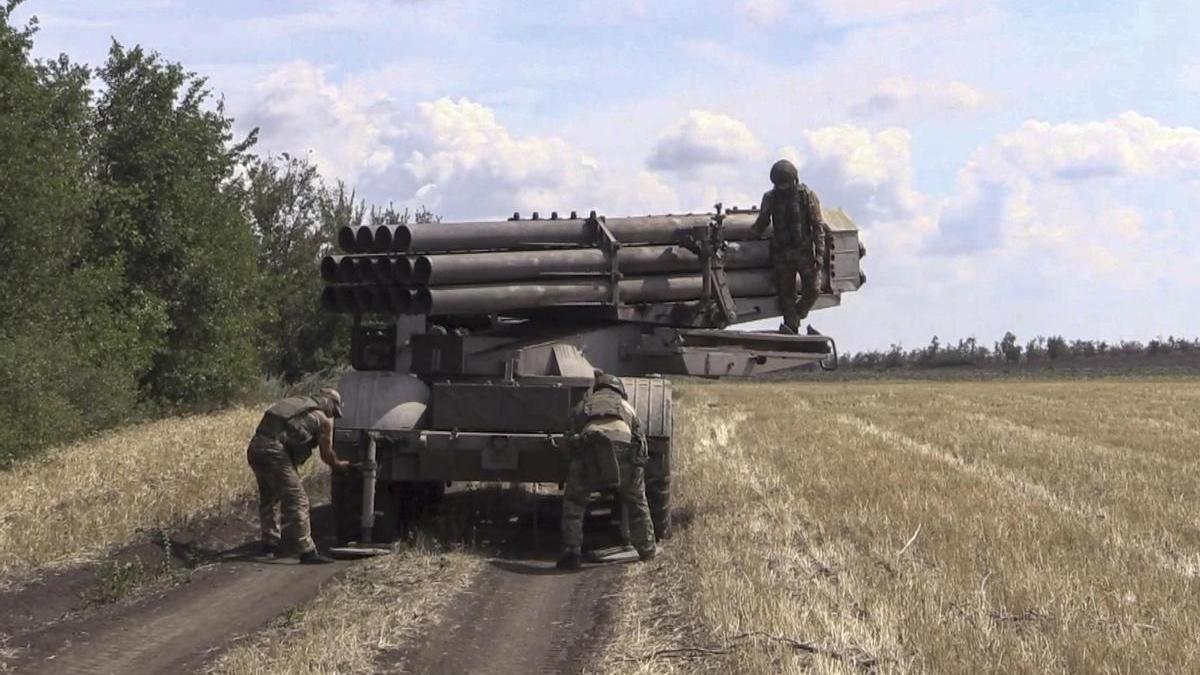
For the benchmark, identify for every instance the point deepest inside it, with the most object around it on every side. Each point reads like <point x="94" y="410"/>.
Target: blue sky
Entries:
<point x="1032" y="167"/>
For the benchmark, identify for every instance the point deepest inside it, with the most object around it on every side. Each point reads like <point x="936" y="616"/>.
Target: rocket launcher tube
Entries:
<point x="476" y="268"/>
<point x="491" y="298"/>
<point x="542" y="234"/>
<point x="495" y="266"/>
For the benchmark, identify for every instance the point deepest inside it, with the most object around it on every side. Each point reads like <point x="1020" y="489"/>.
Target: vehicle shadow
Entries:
<point x="515" y="527"/>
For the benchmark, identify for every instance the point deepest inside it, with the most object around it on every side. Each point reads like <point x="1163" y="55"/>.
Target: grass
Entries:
<point x="926" y="527"/>
<point x="77" y="501"/>
<point x="377" y="606"/>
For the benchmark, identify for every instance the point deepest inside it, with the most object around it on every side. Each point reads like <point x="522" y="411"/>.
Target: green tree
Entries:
<point x="70" y="356"/>
<point x="295" y="220"/>
<point x="1056" y="347"/>
<point x="168" y="214"/>
<point x="1009" y="348"/>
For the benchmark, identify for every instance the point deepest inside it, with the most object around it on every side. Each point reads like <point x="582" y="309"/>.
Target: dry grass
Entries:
<point x="926" y="527"/>
<point x="73" y="503"/>
<point x="377" y="606"/>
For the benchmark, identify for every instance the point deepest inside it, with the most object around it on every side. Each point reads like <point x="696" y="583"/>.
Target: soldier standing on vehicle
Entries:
<point x="793" y="213"/>
<point x="608" y="450"/>
<point x="284" y="440"/>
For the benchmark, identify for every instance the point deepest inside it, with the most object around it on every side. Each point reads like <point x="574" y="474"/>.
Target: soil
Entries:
<point x="203" y="590"/>
<point x="165" y="603"/>
<point x="521" y="614"/>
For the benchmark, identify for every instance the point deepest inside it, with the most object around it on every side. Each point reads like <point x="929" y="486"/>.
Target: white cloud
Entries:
<point x="868" y="174"/>
<point x="1130" y="145"/>
<point x="920" y="97"/>
<point x="704" y="138"/>
<point x="1002" y="191"/>
<point x="347" y="130"/>
<point x="453" y="156"/>
<point x="458" y="148"/>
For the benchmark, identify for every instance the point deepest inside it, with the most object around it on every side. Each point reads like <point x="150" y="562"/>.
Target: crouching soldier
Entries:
<point x="284" y="440"/>
<point x="608" y="451"/>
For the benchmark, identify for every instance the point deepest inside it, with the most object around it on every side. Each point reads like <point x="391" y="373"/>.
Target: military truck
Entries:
<point x="472" y="342"/>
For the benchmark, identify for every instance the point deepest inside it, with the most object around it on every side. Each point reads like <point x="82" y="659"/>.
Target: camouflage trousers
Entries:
<point x="786" y="268"/>
<point x="631" y="493"/>
<point x="281" y="495"/>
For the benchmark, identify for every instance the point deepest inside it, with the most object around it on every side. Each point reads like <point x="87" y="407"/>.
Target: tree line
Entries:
<point x="1010" y="351"/>
<point x="151" y="261"/>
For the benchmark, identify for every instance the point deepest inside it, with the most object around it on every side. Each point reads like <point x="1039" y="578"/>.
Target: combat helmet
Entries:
<point x="606" y="381"/>
<point x="784" y="174"/>
<point x="331" y="402"/>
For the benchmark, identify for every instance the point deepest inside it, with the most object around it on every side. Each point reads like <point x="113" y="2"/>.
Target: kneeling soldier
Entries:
<point x="285" y="439"/>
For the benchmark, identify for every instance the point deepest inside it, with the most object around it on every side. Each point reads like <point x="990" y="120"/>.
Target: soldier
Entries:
<point x="284" y="440"/>
<point x="797" y="242"/>
<point x="608" y="450"/>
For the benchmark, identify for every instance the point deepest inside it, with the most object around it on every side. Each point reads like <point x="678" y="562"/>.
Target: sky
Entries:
<point x="1023" y="166"/>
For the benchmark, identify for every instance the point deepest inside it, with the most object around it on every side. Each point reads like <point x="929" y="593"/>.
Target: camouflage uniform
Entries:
<point x="610" y="451"/>
<point x="284" y="440"/>
<point x="793" y="213"/>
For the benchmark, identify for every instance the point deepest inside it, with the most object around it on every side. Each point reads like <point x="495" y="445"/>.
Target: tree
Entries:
<point x="1035" y="348"/>
<point x="1009" y="348"/>
<point x="168" y="215"/>
<point x="1056" y="347"/>
<point x="295" y="219"/>
<point x="70" y="357"/>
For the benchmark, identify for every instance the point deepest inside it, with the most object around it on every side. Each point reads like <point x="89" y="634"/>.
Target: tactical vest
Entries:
<point x="288" y="423"/>
<point x="790" y="228"/>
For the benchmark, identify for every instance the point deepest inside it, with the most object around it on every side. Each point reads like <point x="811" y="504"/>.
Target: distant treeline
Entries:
<point x="150" y="261"/>
<point x="1010" y="351"/>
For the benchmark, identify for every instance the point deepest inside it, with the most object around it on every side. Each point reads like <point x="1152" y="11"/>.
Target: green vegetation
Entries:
<point x="152" y="263"/>
<point x="1009" y="351"/>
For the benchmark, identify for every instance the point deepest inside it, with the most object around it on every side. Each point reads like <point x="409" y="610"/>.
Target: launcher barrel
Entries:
<point x="532" y="234"/>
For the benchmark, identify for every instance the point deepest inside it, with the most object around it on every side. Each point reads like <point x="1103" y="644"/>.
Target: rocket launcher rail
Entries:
<point x="696" y="270"/>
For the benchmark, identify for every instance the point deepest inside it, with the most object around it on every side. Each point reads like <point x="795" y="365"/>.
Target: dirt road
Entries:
<point x="178" y="630"/>
<point x="519" y="616"/>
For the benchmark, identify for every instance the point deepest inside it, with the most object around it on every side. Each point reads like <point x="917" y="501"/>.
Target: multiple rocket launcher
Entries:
<point x="525" y="264"/>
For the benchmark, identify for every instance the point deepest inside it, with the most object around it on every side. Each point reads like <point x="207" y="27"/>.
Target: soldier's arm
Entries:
<point x="325" y="443"/>
<point x="816" y="223"/>
<point x="764" y="216"/>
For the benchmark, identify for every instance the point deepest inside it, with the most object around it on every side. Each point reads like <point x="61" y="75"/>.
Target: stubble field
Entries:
<point x="926" y="527"/>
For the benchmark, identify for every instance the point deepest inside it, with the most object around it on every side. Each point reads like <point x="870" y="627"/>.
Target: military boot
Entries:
<point x="314" y="558"/>
<point x="569" y="561"/>
<point x="647" y="555"/>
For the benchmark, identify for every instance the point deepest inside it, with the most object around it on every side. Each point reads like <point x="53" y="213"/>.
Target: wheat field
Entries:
<point x="77" y="501"/>
<point x="926" y="527"/>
